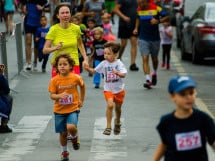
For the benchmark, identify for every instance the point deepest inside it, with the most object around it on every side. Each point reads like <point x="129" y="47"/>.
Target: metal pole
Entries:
<point x="19" y="49"/>
<point x="3" y="52"/>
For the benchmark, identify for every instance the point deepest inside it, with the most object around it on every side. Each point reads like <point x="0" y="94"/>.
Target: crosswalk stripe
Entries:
<point x="28" y="132"/>
<point x="107" y="148"/>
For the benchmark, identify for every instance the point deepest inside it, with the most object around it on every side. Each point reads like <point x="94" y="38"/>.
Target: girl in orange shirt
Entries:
<point x="68" y="100"/>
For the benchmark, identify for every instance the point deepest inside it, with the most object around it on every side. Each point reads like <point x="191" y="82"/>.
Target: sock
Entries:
<point x="64" y="148"/>
<point x="70" y="137"/>
<point x="148" y="77"/>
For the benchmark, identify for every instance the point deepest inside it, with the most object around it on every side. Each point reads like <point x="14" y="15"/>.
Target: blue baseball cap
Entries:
<point x="179" y="83"/>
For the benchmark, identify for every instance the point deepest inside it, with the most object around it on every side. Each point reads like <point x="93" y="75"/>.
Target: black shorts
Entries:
<point x="30" y="29"/>
<point x="125" y="31"/>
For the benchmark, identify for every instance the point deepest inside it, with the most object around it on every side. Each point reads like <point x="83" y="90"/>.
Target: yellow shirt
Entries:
<point x="59" y="84"/>
<point x="68" y="37"/>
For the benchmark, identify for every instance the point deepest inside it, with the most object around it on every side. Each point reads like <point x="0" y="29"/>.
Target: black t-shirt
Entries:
<point x="128" y="8"/>
<point x="186" y="138"/>
<point x="40" y="2"/>
<point x="99" y="49"/>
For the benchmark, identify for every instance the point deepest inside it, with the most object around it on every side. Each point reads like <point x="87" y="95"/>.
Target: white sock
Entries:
<point x="64" y="148"/>
<point x="71" y="137"/>
<point x="148" y="77"/>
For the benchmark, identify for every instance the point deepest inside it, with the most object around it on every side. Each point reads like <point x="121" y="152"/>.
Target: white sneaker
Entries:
<point x="35" y="66"/>
<point x="28" y="67"/>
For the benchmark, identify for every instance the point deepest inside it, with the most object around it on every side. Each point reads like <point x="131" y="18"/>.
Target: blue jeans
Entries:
<point x="97" y="76"/>
<point x="61" y="120"/>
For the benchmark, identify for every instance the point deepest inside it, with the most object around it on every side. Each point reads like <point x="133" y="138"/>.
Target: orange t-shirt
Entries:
<point x="59" y="84"/>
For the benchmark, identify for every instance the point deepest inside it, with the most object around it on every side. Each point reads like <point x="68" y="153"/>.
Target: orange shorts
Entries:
<point x="118" y="97"/>
<point x="76" y="70"/>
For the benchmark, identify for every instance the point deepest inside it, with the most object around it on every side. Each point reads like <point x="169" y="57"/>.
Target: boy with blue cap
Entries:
<point x="185" y="131"/>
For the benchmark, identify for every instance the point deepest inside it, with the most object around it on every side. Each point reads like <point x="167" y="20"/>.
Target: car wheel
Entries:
<point x="197" y="58"/>
<point x="184" y="55"/>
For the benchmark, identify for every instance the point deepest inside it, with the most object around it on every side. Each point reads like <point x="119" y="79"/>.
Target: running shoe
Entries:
<point x="35" y="66"/>
<point x="65" y="156"/>
<point x="154" y="79"/>
<point x="5" y="129"/>
<point x="133" y="67"/>
<point x="75" y="142"/>
<point x="147" y="84"/>
<point x="28" y="67"/>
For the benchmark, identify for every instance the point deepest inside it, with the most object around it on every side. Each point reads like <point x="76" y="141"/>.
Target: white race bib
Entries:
<point x="66" y="101"/>
<point x="188" y="141"/>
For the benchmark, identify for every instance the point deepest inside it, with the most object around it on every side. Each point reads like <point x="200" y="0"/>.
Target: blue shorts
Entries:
<point x="61" y="120"/>
<point x="149" y="47"/>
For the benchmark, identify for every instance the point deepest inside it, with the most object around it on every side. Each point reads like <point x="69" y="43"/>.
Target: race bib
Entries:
<point x="188" y="141"/>
<point x="66" y="101"/>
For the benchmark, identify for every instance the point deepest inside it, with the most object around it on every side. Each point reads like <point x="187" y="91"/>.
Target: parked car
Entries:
<point x="186" y="9"/>
<point x="198" y="34"/>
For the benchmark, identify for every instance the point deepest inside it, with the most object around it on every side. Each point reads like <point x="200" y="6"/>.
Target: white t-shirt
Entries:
<point x="112" y="82"/>
<point x="164" y="38"/>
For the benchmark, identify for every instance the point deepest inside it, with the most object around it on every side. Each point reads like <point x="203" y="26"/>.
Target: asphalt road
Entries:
<point x="33" y="136"/>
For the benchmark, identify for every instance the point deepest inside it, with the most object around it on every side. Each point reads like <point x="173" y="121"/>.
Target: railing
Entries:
<point x="4" y="41"/>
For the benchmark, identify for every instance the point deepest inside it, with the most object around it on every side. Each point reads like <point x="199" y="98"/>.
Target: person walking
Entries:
<point x="94" y="9"/>
<point x="113" y="70"/>
<point x="149" y="17"/>
<point x="32" y="9"/>
<point x="184" y="132"/>
<point x="98" y="53"/>
<point x="68" y="101"/>
<point x="40" y="39"/>
<point x="65" y="37"/>
<point x="110" y="5"/>
<point x="166" y="43"/>
<point x="6" y="101"/>
<point x="126" y="10"/>
<point x="9" y="10"/>
<point x="107" y="27"/>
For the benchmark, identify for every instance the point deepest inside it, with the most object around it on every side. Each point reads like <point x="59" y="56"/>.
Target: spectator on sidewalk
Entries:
<point x="114" y="71"/>
<point x="127" y="12"/>
<point x="32" y="9"/>
<point x="68" y="100"/>
<point x="6" y="101"/>
<point x="184" y="132"/>
<point x="64" y="37"/>
<point x="147" y="28"/>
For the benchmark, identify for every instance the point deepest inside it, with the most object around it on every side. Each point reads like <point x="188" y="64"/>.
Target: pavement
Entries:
<point x="141" y="110"/>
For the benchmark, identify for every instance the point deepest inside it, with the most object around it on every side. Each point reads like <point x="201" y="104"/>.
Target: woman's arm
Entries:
<point x="48" y="48"/>
<point x="82" y="51"/>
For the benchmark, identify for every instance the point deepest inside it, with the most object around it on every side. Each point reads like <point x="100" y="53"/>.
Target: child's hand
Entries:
<point x="64" y="95"/>
<point x="115" y="71"/>
<point x="80" y="104"/>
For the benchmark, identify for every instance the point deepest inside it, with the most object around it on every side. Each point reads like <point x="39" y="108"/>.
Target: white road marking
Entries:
<point x="107" y="148"/>
<point x="27" y="134"/>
